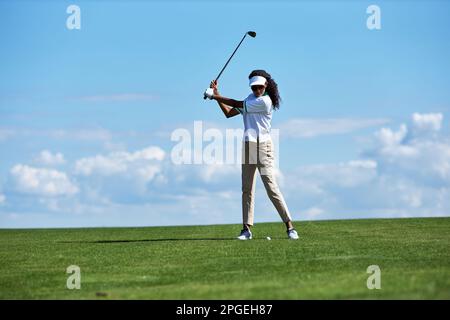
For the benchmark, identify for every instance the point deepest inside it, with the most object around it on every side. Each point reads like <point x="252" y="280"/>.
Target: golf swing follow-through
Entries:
<point x="256" y="111"/>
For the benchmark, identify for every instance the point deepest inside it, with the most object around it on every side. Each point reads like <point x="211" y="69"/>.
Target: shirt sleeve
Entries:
<point x="240" y="110"/>
<point x="258" y="105"/>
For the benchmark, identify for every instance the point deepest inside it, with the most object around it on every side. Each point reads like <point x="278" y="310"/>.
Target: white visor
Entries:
<point x="257" y="81"/>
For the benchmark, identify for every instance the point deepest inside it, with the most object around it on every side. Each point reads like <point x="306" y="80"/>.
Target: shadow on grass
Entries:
<point x="152" y="240"/>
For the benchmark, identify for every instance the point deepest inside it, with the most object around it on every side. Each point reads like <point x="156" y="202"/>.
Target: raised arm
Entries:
<point x="227" y="105"/>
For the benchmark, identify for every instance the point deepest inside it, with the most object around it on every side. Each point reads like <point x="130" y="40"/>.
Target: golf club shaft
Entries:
<point x="252" y="34"/>
<point x="220" y="73"/>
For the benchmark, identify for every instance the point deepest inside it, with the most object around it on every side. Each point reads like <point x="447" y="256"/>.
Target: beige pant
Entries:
<point x="260" y="155"/>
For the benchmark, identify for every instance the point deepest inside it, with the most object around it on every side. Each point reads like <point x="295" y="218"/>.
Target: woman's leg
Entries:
<point x="248" y="194"/>
<point x="266" y="171"/>
<point x="248" y="186"/>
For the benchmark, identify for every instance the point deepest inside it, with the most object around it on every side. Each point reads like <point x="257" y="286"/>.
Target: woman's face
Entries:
<point x="258" y="91"/>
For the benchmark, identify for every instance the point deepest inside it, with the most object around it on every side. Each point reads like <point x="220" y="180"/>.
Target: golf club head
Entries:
<point x="251" y="34"/>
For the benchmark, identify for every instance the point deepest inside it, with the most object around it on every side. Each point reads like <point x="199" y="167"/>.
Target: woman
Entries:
<point x="256" y="110"/>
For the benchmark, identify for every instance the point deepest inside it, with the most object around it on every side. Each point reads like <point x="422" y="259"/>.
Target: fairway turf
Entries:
<point x="206" y="262"/>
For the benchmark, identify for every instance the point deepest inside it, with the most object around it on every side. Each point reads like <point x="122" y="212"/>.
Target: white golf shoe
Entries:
<point x="292" y="234"/>
<point x="245" y="235"/>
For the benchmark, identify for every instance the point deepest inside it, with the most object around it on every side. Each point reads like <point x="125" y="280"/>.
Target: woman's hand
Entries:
<point x="213" y="85"/>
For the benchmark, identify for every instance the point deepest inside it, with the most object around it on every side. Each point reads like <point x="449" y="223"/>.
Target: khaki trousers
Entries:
<point x="260" y="155"/>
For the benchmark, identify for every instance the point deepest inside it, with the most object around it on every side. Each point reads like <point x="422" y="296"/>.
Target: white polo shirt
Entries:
<point x="257" y="115"/>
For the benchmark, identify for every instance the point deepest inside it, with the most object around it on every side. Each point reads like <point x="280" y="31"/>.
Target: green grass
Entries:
<point x="205" y="262"/>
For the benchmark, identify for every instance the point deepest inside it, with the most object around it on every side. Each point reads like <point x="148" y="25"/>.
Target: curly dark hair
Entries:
<point x="272" y="87"/>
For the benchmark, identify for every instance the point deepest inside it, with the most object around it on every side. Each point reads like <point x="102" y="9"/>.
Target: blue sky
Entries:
<point x="86" y="115"/>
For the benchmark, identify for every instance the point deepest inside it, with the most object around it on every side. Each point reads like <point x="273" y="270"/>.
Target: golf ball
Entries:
<point x="268" y="238"/>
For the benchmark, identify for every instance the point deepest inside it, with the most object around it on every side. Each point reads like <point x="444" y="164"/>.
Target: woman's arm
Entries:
<point x="228" y="101"/>
<point x="227" y="110"/>
<point x="222" y="102"/>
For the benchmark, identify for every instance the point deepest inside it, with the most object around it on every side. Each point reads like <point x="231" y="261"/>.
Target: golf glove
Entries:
<point x="209" y="93"/>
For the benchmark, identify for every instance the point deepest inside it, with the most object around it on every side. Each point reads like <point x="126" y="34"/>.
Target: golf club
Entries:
<point x="251" y="34"/>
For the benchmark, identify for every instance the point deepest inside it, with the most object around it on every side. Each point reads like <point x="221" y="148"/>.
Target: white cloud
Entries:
<point x="2" y="199"/>
<point x="45" y="157"/>
<point x="404" y="174"/>
<point x="150" y="153"/>
<point x="346" y="174"/>
<point x="80" y="134"/>
<point x="419" y="156"/>
<point x="313" y="212"/>
<point x="427" y="122"/>
<point x="388" y="138"/>
<point x="121" y="97"/>
<point x="84" y="134"/>
<point x="99" y="164"/>
<point x="217" y="172"/>
<point x="308" y="128"/>
<point x="44" y="182"/>
<point x="121" y="162"/>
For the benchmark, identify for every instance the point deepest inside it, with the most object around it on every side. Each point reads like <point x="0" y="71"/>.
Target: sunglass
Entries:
<point x="254" y="88"/>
